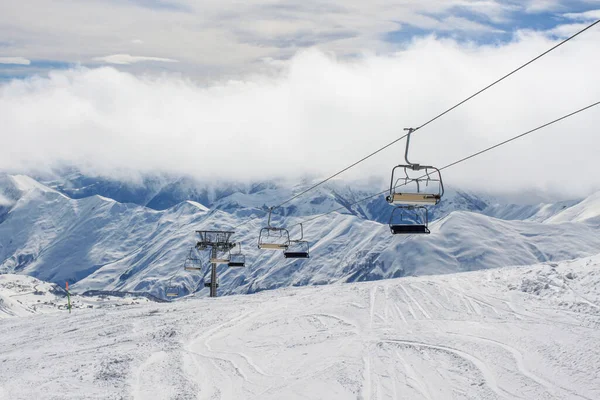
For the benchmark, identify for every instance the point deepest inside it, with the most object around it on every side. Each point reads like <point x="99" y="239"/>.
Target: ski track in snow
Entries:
<point x="464" y="336"/>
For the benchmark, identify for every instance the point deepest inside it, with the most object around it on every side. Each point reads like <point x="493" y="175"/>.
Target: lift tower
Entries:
<point x="217" y="242"/>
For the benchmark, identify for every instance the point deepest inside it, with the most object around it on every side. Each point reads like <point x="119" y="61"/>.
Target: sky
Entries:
<point x="257" y="90"/>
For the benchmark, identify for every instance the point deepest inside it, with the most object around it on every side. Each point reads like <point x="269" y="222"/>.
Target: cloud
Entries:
<point x="566" y="30"/>
<point x="541" y="6"/>
<point x="587" y="16"/>
<point x="14" y="60"/>
<point x="5" y="201"/>
<point x="451" y="24"/>
<point x="126" y="59"/>
<point x="321" y="113"/>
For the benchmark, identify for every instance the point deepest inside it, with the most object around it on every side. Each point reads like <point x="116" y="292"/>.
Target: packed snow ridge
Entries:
<point x="97" y="243"/>
<point x="527" y="332"/>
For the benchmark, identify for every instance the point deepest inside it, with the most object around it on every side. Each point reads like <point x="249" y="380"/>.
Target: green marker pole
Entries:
<point x="68" y="298"/>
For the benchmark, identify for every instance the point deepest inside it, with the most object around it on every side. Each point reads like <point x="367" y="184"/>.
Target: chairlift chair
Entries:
<point x="273" y="238"/>
<point x="401" y="225"/>
<point x="298" y="248"/>
<point x="422" y="184"/>
<point x="192" y="263"/>
<point x="237" y="259"/>
<point x="172" y="290"/>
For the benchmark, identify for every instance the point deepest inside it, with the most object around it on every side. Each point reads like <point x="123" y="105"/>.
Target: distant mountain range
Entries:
<point x="109" y="235"/>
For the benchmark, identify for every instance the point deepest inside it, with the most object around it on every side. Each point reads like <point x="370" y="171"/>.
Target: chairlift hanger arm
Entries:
<point x="410" y="130"/>
<point x="269" y="221"/>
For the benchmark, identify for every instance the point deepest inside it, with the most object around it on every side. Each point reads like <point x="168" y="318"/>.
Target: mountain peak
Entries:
<point x="24" y="183"/>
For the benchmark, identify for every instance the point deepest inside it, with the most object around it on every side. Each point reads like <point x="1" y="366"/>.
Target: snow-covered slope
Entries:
<point x="22" y="295"/>
<point x="511" y="333"/>
<point x="587" y="211"/>
<point x="98" y="243"/>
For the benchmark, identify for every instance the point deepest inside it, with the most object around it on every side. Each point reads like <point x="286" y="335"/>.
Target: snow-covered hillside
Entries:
<point x="22" y="295"/>
<point x="512" y="333"/>
<point x="98" y="243"/>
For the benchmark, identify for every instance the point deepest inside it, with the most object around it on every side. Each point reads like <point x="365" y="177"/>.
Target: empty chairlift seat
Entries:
<point x="192" y="263"/>
<point x="237" y="260"/>
<point x="415" y="186"/>
<point x="273" y="238"/>
<point x="295" y="254"/>
<point x="409" y="220"/>
<point x="409" y="229"/>
<point x="298" y="248"/>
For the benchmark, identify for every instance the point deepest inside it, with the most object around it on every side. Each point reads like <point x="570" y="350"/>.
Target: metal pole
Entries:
<point x="68" y="297"/>
<point x="213" y="274"/>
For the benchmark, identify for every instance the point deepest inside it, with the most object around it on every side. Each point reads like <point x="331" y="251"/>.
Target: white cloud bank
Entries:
<point x="14" y="60"/>
<point x="322" y="114"/>
<point x="127" y="59"/>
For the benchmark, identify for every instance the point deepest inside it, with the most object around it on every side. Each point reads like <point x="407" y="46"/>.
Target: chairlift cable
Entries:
<point x="440" y="115"/>
<point x="430" y="121"/>
<point x="458" y="161"/>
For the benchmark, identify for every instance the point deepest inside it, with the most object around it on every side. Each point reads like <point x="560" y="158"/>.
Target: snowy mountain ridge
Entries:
<point x="98" y="243"/>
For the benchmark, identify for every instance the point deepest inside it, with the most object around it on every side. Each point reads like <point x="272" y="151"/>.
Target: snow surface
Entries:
<point x="22" y="295"/>
<point x="512" y="333"/>
<point x="586" y="211"/>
